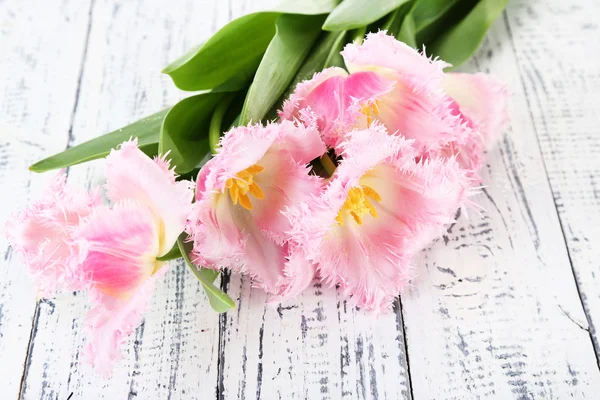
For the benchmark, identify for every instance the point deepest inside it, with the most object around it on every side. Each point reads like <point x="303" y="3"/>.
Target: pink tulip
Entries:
<point x="237" y="221"/>
<point x="379" y="209"/>
<point x="70" y="241"/>
<point x="41" y="236"/>
<point x="399" y="87"/>
<point x="121" y="245"/>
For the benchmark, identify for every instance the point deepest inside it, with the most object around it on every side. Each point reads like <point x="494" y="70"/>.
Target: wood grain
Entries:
<point x="561" y="78"/>
<point x="39" y="63"/>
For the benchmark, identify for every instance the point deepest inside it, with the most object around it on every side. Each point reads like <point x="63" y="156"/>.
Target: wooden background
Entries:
<point x="505" y="305"/>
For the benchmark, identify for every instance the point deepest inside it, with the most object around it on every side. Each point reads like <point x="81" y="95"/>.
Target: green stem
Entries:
<point x="328" y="164"/>
<point x="358" y="34"/>
<point x="214" y="131"/>
<point x="334" y="53"/>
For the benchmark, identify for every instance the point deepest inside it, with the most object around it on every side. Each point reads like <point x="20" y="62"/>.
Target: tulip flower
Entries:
<point x="237" y="221"/>
<point x="399" y="87"/>
<point x="120" y="245"/>
<point x="70" y="241"/>
<point x="380" y="208"/>
<point x="41" y="236"/>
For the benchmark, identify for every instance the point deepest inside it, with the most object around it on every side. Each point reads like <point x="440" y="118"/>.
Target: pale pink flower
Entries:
<point x="120" y="245"/>
<point x="399" y="87"/>
<point x="380" y="208"/>
<point x="482" y="102"/>
<point x="237" y="221"/>
<point x="41" y="236"/>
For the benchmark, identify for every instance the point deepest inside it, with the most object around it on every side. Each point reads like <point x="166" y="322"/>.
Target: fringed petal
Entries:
<point x="131" y="175"/>
<point x="341" y="102"/>
<point x="482" y="100"/>
<point x="119" y="247"/>
<point x="383" y="53"/>
<point x="42" y="236"/>
<point x="111" y="320"/>
<point x="423" y="113"/>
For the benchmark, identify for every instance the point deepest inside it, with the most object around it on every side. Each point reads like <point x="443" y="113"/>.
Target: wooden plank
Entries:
<point x="495" y="312"/>
<point x="39" y="63"/>
<point x="560" y="74"/>
<point x="174" y="353"/>
<point x="315" y="347"/>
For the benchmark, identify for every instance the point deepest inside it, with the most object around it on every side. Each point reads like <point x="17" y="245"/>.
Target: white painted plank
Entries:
<point x="174" y="353"/>
<point x="561" y="75"/>
<point x="495" y="312"/>
<point x="41" y="49"/>
<point x="315" y="347"/>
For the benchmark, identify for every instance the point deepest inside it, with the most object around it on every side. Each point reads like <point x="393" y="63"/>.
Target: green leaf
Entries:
<point x="439" y="18"/>
<point x="427" y="12"/>
<point x="284" y="56"/>
<point x="351" y="14"/>
<point x="219" y="300"/>
<point x="408" y="31"/>
<point x="230" y="55"/>
<point x="307" y="7"/>
<point x="147" y="130"/>
<point x="458" y="44"/>
<point x="173" y="254"/>
<point x="185" y="130"/>
<point x="395" y="18"/>
<point x="325" y="53"/>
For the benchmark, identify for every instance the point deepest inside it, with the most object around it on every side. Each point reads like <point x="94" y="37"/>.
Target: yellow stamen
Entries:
<point x="371" y="110"/>
<point x="357" y="204"/>
<point x="242" y="184"/>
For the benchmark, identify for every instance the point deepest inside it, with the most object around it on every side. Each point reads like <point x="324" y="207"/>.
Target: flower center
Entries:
<point x="371" y="111"/>
<point x="243" y="184"/>
<point x="358" y="204"/>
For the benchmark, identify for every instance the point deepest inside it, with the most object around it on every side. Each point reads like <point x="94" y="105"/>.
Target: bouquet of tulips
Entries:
<point x="362" y="165"/>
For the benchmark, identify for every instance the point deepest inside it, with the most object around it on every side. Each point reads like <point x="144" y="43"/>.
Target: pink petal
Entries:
<point x="284" y="184"/>
<point x="119" y="247"/>
<point x="482" y="100"/>
<point x="131" y="175"/>
<point x="423" y="113"/>
<point x="245" y="146"/>
<point x="111" y="320"/>
<point x="226" y="236"/>
<point x="337" y="100"/>
<point x="383" y="53"/>
<point x="298" y="273"/>
<point x="303" y="89"/>
<point x="41" y="235"/>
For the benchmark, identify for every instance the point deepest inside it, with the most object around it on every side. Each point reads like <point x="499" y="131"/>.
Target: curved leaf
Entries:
<point x="147" y="130"/>
<point x="427" y="12"/>
<point x="351" y="14"/>
<point x="284" y="56"/>
<point x="184" y="132"/>
<point x="173" y="254"/>
<point x="307" y="7"/>
<point x="234" y="52"/>
<point x="458" y="44"/>
<point x="325" y="53"/>
<point x="219" y="300"/>
<point x="232" y="55"/>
